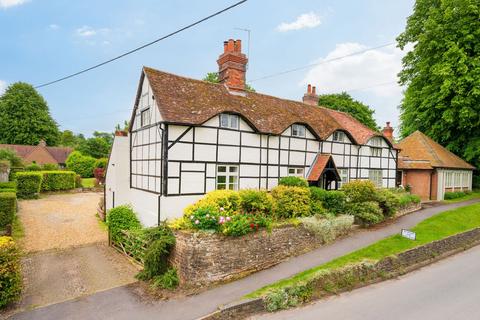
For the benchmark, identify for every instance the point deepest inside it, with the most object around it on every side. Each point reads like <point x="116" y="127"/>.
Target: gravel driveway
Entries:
<point x="61" y="221"/>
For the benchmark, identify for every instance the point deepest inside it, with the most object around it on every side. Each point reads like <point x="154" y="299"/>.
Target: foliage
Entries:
<point x="25" y="117"/>
<point x="81" y="164"/>
<point x="241" y="224"/>
<point x="227" y="201"/>
<point x="8" y="185"/>
<point x="50" y="167"/>
<point x="10" y="275"/>
<point x="11" y="156"/>
<point x="69" y="139"/>
<point x="212" y="77"/>
<point x="121" y="218"/>
<point x="291" y="202"/>
<point x="441" y="73"/>
<point x="8" y="207"/>
<point x="168" y="280"/>
<point x="407" y="199"/>
<point x="97" y="146"/>
<point x="288" y="297"/>
<point x="366" y="213"/>
<point x="33" y="167"/>
<point x="387" y="201"/>
<point x="328" y="229"/>
<point x="101" y="163"/>
<point x="256" y="201"/>
<point x="333" y="201"/>
<point x="359" y="191"/>
<point x="13" y="171"/>
<point x="345" y="103"/>
<point x="205" y="218"/>
<point x="454" y="195"/>
<point x="28" y="184"/>
<point x="58" y="180"/>
<point x="293" y="182"/>
<point x="4" y="166"/>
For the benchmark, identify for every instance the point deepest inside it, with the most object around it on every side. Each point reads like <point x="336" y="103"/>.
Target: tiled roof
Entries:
<point x="187" y="101"/>
<point x="318" y="167"/>
<point x="406" y="163"/>
<point x="59" y="154"/>
<point x="418" y="146"/>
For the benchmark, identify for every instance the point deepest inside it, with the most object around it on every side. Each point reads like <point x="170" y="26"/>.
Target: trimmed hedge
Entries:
<point x="10" y="276"/>
<point x="8" y="207"/>
<point x="293" y="182"/>
<point x="28" y="184"/>
<point x="291" y="202"/>
<point x="58" y="180"/>
<point x="8" y="185"/>
<point x="454" y="195"/>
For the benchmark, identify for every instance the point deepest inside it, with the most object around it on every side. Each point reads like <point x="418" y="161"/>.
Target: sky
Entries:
<point x="42" y="40"/>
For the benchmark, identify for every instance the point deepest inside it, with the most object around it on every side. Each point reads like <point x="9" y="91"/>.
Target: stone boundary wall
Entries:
<point x="361" y="274"/>
<point x="408" y="209"/>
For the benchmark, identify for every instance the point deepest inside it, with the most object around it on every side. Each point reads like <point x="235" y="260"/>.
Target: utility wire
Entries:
<point x="320" y="63"/>
<point x="142" y="47"/>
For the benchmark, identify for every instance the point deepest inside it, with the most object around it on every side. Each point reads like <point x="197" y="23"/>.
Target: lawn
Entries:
<point x="475" y="194"/>
<point x="88" y="182"/>
<point x="434" y="228"/>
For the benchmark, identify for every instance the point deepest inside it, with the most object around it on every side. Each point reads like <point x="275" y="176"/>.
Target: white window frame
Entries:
<point x="230" y="121"/>
<point x="298" y="130"/>
<point x="144" y="121"/>
<point x="376" y="176"/>
<point x="448" y="179"/>
<point x="375" y="151"/>
<point x="231" y="174"/>
<point x="296" y="172"/>
<point x="344" y="178"/>
<point x="338" y="136"/>
<point x="376" y="142"/>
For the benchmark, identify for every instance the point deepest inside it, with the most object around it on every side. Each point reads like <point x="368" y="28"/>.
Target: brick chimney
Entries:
<point x="232" y="66"/>
<point x="388" y="131"/>
<point x="311" y="96"/>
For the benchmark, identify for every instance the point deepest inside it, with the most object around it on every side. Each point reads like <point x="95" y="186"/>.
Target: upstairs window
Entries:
<point x="375" y="152"/>
<point x="230" y="121"/>
<point x="144" y="118"/>
<point x="296" y="172"/>
<point x="298" y="130"/>
<point x="343" y="176"/>
<point x="376" y="142"/>
<point x="227" y="177"/>
<point x="339" y="136"/>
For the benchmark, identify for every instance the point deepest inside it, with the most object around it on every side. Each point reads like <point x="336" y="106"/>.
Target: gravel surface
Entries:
<point x="61" y="221"/>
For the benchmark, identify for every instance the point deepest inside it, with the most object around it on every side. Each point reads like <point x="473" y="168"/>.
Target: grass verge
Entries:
<point x="473" y="195"/>
<point x="88" y="182"/>
<point x="437" y="227"/>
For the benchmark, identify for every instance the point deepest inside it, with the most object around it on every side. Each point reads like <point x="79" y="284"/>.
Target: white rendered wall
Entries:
<point x="117" y="180"/>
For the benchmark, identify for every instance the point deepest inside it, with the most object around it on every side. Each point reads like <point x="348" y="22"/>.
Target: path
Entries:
<point x="435" y="292"/>
<point x="123" y="303"/>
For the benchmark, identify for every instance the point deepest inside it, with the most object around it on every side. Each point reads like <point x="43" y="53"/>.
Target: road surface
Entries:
<point x="449" y="289"/>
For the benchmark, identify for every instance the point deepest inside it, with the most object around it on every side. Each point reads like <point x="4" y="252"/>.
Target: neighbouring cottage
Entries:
<point x="430" y="169"/>
<point x="40" y="154"/>
<point x="188" y="137"/>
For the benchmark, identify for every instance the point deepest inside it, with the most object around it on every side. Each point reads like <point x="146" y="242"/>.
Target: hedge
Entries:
<point x="81" y="164"/>
<point x="28" y="184"/>
<point x="10" y="276"/>
<point x="8" y="185"/>
<point x="8" y="206"/>
<point x="58" y="180"/>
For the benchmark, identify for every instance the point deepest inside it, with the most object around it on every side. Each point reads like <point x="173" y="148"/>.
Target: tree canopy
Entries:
<point x="25" y="117"/>
<point x="344" y="102"/>
<point x="213" y="78"/>
<point x="442" y="74"/>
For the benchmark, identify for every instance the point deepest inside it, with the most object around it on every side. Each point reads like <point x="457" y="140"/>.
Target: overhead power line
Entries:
<point x="320" y="63"/>
<point x="142" y="47"/>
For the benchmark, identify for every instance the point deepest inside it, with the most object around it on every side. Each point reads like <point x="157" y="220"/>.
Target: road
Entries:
<point x="449" y="289"/>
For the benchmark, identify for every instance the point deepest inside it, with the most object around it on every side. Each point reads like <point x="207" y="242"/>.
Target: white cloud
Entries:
<point x="54" y="26"/>
<point x="11" y="3"/>
<point x="306" y="20"/>
<point x="86" y="31"/>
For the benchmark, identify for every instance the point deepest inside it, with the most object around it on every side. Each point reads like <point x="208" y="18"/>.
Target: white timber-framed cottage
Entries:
<point x="188" y="137"/>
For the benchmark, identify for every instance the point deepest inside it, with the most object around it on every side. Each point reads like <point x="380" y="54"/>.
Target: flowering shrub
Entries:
<point x="256" y="201"/>
<point x="291" y="202"/>
<point x="205" y="218"/>
<point x="241" y="224"/>
<point x="228" y="200"/>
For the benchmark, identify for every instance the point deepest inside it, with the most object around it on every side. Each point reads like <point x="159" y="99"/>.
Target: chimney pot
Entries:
<point x="310" y="97"/>
<point x="238" y="45"/>
<point x="388" y="131"/>
<point x="231" y="45"/>
<point x="225" y="46"/>
<point x="309" y="88"/>
<point x="314" y="90"/>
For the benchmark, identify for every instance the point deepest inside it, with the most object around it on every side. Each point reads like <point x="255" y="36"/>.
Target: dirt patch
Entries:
<point x="60" y="221"/>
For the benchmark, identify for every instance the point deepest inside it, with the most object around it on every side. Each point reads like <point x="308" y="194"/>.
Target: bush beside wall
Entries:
<point x="8" y="207"/>
<point x="10" y="276"/>
<point x="28" y="184"/>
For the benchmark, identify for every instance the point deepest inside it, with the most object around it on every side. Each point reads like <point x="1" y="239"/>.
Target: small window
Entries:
<point x="229" y="121"/>
<point x="227" y="177"/>
<point x="343" y="176"/>
<point x="376" y="142"/>
<point x="144" y="117"/>
<point x="376" y="177"/>
<point x="298" y="130"/>
<point x="448" y="179"/>
<point x="339" y="136"/>
<point x="296" y="172"/>
<point x="375" y="152"/>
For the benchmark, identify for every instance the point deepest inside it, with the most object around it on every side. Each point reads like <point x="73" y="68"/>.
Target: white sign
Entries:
<point x="409" y="234"/>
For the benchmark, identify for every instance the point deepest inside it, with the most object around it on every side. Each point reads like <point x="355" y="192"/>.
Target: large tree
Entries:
<point x="442" y="74"/>
<point x="25" y="117"/>
<point x="344" y="102"/>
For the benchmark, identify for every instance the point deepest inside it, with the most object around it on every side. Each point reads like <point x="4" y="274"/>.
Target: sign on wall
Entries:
<point x="409" y="234"/>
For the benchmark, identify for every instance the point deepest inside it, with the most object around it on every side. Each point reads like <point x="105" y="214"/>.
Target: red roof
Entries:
<point x="192" y="102"/>
<point x="318" y="167"/>
<point x="58" y="154"/>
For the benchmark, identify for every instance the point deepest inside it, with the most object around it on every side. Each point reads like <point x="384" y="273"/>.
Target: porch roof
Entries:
<point x="319" y="166"/>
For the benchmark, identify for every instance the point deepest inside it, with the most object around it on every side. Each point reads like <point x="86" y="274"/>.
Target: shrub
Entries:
<point x="168" y="280"/>
<point x="328" y="229"/>
<point x="366" y="213"/>
<point x="33" y="167"/>
<point x="454" y="195"/>
<point x="333" y="201"/>
<point x="50" y="167"/>
<point x="4" y="166"/>
<point x="121" y="218"/>
<point x="407" y="199"/>
<point x="291" y="202"/>
<point x="293" y="182"/>
<point x="359" y="191"/>
<point x="99" y="174"/>
<point x="8" y="207"/>
<point x="81" y="164"/>
<point x="8" y="185"/>
<point x="256" y="201"/>
<point x="8" y="190"/>
<point x="28" y="184"/>
<point x="101" y="163"/>
<point x="58" y="180"/>
<point x="11" y="156"/>
<point x="241" y="224"/>
<point x="226" y="201"/>
<point x="288" y="297"/>
<point x="10" y="276"/>
<point x="205" y="218"/>
<point x="13" y="171"/>
<point x="388" y="202"/>
<point x="78" y="181"/>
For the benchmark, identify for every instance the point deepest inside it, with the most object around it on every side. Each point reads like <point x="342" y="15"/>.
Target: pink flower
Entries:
<point x="228" y="218"/>
<point x="222" y="209"/>
<point x="197" y="222"/>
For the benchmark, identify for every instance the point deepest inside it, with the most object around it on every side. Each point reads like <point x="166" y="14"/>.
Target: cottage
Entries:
<point x="40" y="154"/>
<point x="188" y="137"/>
<point x="430" y="169"/>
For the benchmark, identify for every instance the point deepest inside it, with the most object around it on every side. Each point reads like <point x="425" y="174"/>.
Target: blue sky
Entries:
<point x="43" y="40"/>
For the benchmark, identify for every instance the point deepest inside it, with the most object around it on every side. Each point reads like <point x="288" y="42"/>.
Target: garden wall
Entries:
<point x="205" y="258"/>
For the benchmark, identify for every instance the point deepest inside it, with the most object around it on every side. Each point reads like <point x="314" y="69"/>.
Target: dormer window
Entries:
<point x="144" y="118"/>
<point x="298" y="130"/>
<point x="376" y="142"/>
<point x="339" y="136"/>
<point x="230" y="121"/>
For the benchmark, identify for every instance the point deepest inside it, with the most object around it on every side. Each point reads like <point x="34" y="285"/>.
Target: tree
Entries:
<point x="98" y="146"/>
<point x="11" y="156"/>
<point x="442" y="74"/>
<point x="212" y="77"/>
<point x="344" y="102"/>
<point x="25" y="117"/>
<point x="81" y="164"/>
